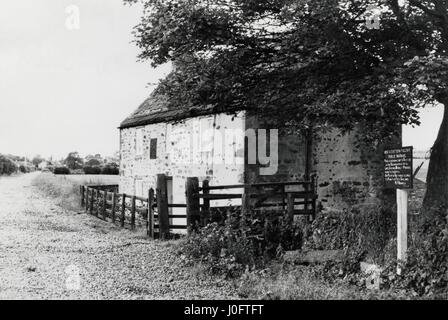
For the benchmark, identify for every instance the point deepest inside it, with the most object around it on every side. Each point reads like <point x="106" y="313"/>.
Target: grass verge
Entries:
<point x="285" y="282"/>
<point x="64" y="191"/>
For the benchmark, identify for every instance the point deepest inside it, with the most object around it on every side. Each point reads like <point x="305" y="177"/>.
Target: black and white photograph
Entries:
<point x="218" y="155"/>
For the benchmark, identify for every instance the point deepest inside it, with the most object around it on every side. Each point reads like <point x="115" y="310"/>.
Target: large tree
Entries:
<point x="324" y="61"/>
<point x="37" y="160"/>
<point x="427" y="76"/>
<point x="73" y="161"/>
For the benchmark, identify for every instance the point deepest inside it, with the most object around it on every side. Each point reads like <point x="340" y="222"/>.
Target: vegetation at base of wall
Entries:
<point x="251" y="251"/>
<point x="64" y="191"/>
<point x="426" y="271"/>
<point x="363" y="234"/>
<point x="370" y="236"/>
<point x="229" y="247"/>
<point x="61" y="170"/>
<point x="263" y="236"/>
<point x="7" y="166"/>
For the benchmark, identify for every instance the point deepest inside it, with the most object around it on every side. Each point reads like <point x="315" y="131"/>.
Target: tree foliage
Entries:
<point x="74" y="161"/>
<point x="37" y="160"/>
<point x="317" y="59"/>
<point x="7" y="166"/>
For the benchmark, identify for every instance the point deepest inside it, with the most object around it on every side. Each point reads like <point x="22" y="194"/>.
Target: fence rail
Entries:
<point x="106" y="203"/>
<point x="290" y="198"/>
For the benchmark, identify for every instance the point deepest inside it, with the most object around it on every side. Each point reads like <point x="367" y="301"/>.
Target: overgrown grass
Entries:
<point x="279" y="282"/>
<point x="368" y="236"/>
<point x="64" y="191"/>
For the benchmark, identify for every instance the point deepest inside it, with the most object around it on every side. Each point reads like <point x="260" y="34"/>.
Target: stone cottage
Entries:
<point x="241" y="147"/>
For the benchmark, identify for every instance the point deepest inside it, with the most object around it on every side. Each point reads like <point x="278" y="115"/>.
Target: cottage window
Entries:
<point x="153" y="149"/>
<point x="139" y="142"/>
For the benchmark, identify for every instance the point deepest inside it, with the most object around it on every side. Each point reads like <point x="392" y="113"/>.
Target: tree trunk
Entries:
<point x="437" y="178"/>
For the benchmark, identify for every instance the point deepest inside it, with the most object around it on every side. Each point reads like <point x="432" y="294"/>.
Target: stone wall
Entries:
<point x="350" y="172"/>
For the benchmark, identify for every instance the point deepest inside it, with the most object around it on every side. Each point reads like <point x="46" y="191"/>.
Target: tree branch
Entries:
<point x="432" y="12"/>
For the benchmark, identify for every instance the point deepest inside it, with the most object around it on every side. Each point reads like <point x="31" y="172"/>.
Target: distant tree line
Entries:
<point x="10" y="164"/>
<point x="91" y="164"/>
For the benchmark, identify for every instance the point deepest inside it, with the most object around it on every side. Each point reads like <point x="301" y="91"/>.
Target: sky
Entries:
<point x="64" y="88"/>
<point x="422" y="137"/>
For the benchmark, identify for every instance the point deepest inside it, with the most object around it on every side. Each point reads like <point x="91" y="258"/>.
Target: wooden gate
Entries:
<point x="294" y="198"/>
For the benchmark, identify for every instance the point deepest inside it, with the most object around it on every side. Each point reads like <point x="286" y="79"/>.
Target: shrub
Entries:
<point x="110" y="170"/>
<point x="61" y="170"/>
<point x="92" y="170"/>
<point x="362" y="233"/>
<point x="370" y="235"/>
<point x="7" y="166"/>
<point x="426" y="271"/>
<point x="24" y="169"/>
<point x="230" y="247"/>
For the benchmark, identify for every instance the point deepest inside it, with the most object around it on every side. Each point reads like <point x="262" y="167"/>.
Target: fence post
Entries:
<point x="205" y="216"/>
<point x="245" y="204"/>
<point x="150" y="217"/>
<point x="97" y="211"/>
<point x="92" y="200"/>
<point x="193" y="205"/>
<point x="313" y="201"/>
<point x="133" y="212"/>
<point x="162" y="206"/>
<point x="284" y="198"/>
<point x="81" y="190"/>
<point x="87" y="199"/>
<point x="290" y="206"/>
<point x="114" y="200"/>
<point x="123" y="210"/>
<point x="308" y="188"/>
<point x="245" y="209"/>
<point x="104" y="204"/>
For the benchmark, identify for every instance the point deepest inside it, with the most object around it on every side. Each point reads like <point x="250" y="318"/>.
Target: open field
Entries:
<point x="93" y="179"/>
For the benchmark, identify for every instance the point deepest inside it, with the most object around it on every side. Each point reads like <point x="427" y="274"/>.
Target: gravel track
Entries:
<point x="47" y="252"/>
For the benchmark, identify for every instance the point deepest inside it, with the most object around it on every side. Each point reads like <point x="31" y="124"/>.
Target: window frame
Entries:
<point x="153" y="148"/>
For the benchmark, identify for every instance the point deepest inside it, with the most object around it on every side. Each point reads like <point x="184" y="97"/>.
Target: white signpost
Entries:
<point x="398" y="175"/>
<point x="402" y="227"/>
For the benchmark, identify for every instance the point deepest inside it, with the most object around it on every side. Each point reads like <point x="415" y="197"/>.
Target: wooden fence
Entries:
<point x="292" y="198"/>
<point x="133" y="211"/>
<point x="153" y="211"/>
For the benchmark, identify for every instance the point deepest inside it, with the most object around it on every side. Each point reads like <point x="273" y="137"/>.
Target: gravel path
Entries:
<point x="49" y="253"/>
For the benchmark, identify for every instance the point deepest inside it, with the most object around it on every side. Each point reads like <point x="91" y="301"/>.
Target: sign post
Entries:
<point x="402" y="227"/>
<point x="398" y="175"/>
